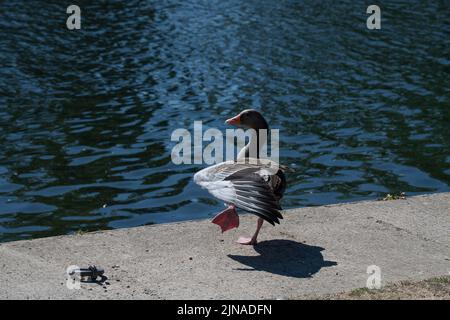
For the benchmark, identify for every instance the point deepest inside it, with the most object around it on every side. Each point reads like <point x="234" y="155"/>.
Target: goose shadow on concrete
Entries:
<point x="285" y="257"/>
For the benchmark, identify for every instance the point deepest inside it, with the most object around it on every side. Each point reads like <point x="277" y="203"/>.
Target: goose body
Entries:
<point x="251" y="184"/>
<point x="255" y="188"/>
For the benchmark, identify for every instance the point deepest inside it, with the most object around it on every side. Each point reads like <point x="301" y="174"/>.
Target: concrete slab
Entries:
<point x="315" y="250"/>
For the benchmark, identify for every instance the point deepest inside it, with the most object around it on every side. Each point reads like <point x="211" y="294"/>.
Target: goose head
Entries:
<point x="249" y="119"/>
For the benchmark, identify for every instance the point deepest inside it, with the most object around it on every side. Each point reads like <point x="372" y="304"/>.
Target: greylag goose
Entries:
<point x="254" y="185"/>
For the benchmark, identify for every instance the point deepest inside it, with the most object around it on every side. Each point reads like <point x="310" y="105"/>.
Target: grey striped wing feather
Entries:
<point x="247" y="186"/>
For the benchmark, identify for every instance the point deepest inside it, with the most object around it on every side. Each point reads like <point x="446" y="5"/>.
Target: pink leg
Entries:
<point x="252" y="240"/>
<point x="227" y="219"/>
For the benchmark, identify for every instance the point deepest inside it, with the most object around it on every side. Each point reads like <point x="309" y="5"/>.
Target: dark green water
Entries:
<point x="86" y="116"/>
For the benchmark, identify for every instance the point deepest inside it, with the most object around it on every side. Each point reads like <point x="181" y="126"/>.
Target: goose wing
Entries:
<point x="246" y="185"/>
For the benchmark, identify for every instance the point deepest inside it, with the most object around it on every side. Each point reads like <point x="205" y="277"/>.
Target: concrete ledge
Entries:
<point x="315" y="250"/>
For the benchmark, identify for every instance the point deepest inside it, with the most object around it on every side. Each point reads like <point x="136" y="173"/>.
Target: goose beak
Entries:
<point x="234" y="121"/>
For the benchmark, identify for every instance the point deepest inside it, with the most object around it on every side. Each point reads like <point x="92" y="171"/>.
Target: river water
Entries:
<point x="86" y="115"/>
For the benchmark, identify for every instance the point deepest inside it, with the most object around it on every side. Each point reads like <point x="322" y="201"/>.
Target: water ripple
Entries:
<point x="86" y="116"/>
